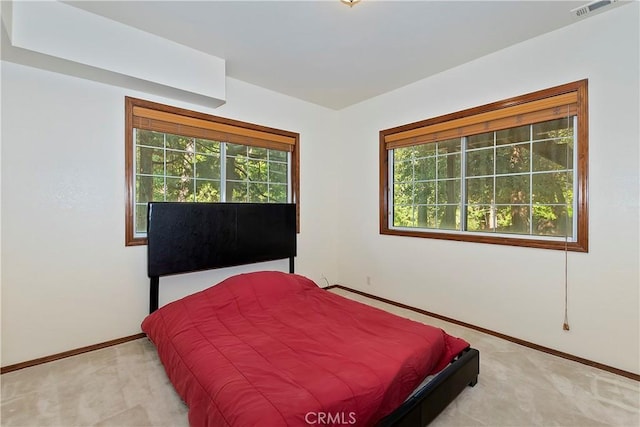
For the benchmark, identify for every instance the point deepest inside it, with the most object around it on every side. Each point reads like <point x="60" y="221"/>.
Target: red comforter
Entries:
<point x="273" y="349"/>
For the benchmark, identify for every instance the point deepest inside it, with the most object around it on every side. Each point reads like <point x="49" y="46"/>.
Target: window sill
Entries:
<point x="537" y="243"/>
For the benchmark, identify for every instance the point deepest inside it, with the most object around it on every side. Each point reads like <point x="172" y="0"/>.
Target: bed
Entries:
<point x="272" y="348"/>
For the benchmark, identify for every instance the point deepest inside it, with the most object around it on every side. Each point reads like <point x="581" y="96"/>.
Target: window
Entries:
<point x="179" y="155"/>
<point x="513" y="172"/>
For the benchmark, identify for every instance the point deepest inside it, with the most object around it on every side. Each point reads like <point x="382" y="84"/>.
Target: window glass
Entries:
<point x="202" y="160"/>
<point x="519" y="179"/>
<point x="185" y="169"/>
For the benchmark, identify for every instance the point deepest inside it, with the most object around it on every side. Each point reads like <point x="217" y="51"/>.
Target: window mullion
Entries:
<point x="413" y="186"/>
<point x="463" y="183"/>
<point x="437" y="182"/>
<point x="530" y="179"/>
<point x="164" y="167"/>
<point x="268" y="180"/>
<point x="223" y="171"/>
<point x="493" y="216"/>
<point x="289" y="174"/>
<point x="195" y="192"/>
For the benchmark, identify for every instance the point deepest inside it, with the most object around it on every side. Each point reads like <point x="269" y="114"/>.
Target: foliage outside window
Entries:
<point x="183" y="156"/>
<point x="512" y="172"/>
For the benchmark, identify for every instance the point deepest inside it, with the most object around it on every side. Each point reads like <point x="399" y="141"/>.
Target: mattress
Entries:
<point x="273" y="349"/>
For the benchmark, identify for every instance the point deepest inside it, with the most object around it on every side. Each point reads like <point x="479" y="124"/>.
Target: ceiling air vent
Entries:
<point x="590" y="7"/>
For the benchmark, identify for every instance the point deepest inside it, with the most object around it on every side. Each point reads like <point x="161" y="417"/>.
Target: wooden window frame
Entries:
<point x="148" y="115"/>
<point x="526" y="109"/>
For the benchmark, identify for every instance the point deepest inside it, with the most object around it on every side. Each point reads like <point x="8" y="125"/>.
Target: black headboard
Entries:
<point x="185" y="237"/>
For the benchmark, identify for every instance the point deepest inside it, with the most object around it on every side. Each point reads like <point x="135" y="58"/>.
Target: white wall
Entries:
<point x="516" y="291"/>
<point x="113" y="50"/>
<point x="68" y="281"/>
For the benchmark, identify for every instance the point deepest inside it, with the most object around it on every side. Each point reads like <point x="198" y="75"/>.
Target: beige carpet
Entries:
<point x="125" y="385"/>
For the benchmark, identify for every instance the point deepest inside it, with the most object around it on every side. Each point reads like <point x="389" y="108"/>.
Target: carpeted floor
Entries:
<point x="125" y="385"/>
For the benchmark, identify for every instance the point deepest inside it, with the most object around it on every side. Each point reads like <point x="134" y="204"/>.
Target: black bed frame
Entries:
<point x="186" y="237"/>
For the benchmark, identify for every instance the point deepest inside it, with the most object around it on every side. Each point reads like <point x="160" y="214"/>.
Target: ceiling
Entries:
<point x="329" y="54"/>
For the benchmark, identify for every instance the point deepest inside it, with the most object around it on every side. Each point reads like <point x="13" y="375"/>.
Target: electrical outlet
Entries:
<point x="368" y="280"/>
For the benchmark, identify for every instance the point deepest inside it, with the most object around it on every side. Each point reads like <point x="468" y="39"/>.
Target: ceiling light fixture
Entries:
<point x="350" y="3"/>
